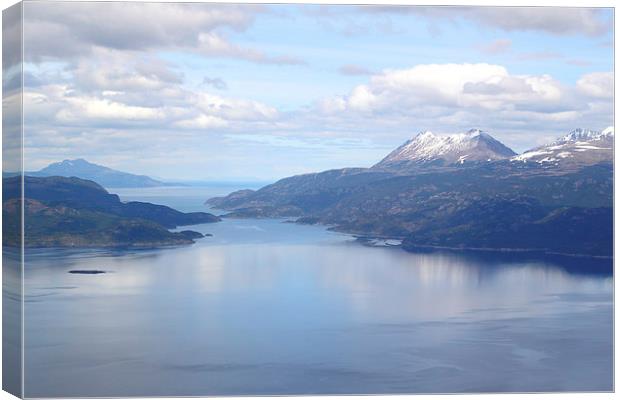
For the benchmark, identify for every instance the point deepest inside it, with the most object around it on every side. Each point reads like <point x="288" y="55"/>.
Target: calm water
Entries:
<point x="267" y="307"/>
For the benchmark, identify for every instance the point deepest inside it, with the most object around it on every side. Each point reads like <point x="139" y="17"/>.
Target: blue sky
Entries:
<point x="246" y="92"/>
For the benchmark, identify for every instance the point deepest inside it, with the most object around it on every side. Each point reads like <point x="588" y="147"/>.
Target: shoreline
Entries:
<point x="509" y="250"/>
<point x="368" y="237"/>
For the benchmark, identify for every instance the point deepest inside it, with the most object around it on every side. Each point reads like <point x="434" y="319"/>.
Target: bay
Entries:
<point x="270" y="307"/>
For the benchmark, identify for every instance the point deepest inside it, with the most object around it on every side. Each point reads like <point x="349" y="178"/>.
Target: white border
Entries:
<point x="562" y="396"/>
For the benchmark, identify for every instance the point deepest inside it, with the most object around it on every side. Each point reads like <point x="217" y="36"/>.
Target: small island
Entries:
<point x="87" y="271"/>
<point x="74" y="212"/>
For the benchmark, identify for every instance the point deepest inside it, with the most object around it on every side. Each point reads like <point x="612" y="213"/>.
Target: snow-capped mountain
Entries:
<point x="579" y="147"/>
<point x="584" y="135"/>
<point x="428" y="148"/>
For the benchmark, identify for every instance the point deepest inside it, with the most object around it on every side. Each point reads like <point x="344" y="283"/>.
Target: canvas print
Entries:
<point x="205" y="199"/>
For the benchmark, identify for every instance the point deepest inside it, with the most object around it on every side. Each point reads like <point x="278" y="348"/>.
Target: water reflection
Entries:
<point x="288" y="309"/>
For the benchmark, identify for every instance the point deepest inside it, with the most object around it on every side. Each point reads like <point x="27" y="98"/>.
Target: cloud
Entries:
<point x="60" y="105"/>
<point x="202" y="122"/>
<point x="551" y="55"/>
<point x="116" y="70"/>
<point x="123" y="76"/>
<point x="12" y="37"/>
<point x="214" y="44"/>
<point x="539" y="55"/>
<point x="439" y="84"/>
<point x="497" y="46"/>
<point x="232" y="109"/>
<point x="121" y="89"/>
<point x="216" y="83"/>
<point x="346" y="21"/>
<point x="483" y="86"/>
<point x="552" y="20"/>
<point x="92" y="108"/>
<point x="579" y="62"/>
<point x="597" y="85"/>
<point x="65" y="30"/>
<point x="459" y="96"/>
<point x="351" y="69"/>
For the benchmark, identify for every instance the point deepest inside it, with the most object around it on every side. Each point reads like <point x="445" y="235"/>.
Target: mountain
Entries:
<point x="497" y="204"/>
<point x="578" y="148"/>
<point x="104" y="176"/>
<point x="520" y="223"/>
<point x="429" y="149"/>
<point x="73" y="212"/>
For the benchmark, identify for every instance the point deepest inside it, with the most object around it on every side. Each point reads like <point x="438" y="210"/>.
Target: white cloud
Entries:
<point x="449" y="86"/>
<point x="114" y="70"/>
<point x="145" y="102"/>
<point x="75" y="29"/>
<point x="91" y="108"/>
<point x="131" y="26"/>
<point x="454" y="97"/>
<point x="214" y="44"/>
<point x="97" y="78"/>
<point x="233" y="109"/>
<point x="597" y="84"/>
<point x="422" y="85"/>
<point x="202" y="122"/>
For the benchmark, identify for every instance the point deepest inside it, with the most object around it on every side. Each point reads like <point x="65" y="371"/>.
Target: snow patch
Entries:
<point x="590" y="147"/>
<point x="472" y="145"/>
<point x="530" y="154"/>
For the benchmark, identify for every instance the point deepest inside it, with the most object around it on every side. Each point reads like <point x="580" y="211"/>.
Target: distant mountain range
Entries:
<point x="72" y="212"/>
<point x="460" y="191"/>
<point x="579" y="147"/>
<point x="104" y="176"/>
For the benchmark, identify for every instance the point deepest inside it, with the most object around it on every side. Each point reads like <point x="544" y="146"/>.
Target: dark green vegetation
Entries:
<point x="500" y="205"/>
<point x="74" y="212"/>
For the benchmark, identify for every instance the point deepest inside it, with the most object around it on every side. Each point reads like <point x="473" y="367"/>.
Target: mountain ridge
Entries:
<point x="105" y="176"/>
<point x="578" y="148"/>
<point x="73" y="212"/>
<point x="501" y="204"/>
<point x="427" y="148"/>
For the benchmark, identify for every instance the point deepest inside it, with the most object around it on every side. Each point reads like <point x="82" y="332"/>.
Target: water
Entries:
<point x="269" y="307"/>
<point x="182" y="198"/>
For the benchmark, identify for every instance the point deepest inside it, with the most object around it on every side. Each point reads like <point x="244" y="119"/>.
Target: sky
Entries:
<point x="201" y="91"/>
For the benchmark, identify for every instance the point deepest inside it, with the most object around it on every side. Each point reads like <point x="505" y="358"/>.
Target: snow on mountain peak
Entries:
<point x="584" y="135"/>
<point x="476" y="132"/>
<point x="474" y="145"/>
<point x="425" y="134"/>
<point x="580" y="146"/>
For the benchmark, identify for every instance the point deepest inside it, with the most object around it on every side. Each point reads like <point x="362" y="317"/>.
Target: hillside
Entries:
<point x="78" y="213"/>
<point x="497" y="204"/>
<point x="578" y="148"/>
